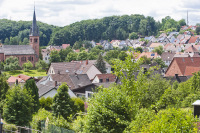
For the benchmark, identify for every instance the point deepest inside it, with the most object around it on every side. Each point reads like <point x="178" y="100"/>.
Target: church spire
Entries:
<point x="34" y="29"/>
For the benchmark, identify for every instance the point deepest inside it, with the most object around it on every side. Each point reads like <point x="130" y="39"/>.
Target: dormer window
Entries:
<point x="100" y="80"/>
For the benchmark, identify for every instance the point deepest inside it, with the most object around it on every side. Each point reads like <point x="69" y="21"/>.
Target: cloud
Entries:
<point x="65" y="12"/>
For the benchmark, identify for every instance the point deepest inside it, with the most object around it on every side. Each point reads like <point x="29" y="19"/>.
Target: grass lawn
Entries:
<point x="32" y="73"/>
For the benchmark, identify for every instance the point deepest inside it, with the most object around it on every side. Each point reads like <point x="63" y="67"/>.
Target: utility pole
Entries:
<point x="187" y="19"/>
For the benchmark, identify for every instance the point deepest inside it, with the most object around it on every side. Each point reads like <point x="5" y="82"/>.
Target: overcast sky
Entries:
<point x="65" y="12"/>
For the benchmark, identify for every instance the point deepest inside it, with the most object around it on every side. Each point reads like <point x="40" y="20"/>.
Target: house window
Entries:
<point x="35" y="40"/>
<point x="100" y="80"/>
<point x="30" y="40"/>
<point x="45" y="58"/>
<point x="32" y="58"/>
<point x="107" y="80"/>
<point x="29" y="58"/>
<point x="23" y="58"/>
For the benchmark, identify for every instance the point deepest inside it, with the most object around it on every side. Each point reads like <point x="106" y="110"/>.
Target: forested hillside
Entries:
<point x="13" y="33"/>
<point x="107" y="28"/>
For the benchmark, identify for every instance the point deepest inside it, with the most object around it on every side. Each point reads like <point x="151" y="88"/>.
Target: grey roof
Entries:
<point x="45" y="88"/>
<point x="73" y="80"/>
<point x="167" y="56"/>
<point x="17" y="49"/>
<point x="34" y="31"/>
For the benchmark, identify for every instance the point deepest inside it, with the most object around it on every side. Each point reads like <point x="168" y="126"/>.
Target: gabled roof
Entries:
<point x="111" y="77"/>
<point x="148" y="54"/>
<point x="191" y="49"/>
<point x="167" y="56"/>
<point x="20" y="78"/>
<point x="64" y="46"/>
<point x="186" y="65"/>
<point x="74" y="81"/>
<point x="153" y="45"/>
<point x="193" y="39"/>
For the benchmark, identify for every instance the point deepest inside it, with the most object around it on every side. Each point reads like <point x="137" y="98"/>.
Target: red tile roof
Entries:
<point x="193" y="39"/>
<point x="20" y="78"/>
<point x="109" y="76"/>
<point x="189" y="70"/>
<point x="64" y="46"/>
<point x="186" y="65"/>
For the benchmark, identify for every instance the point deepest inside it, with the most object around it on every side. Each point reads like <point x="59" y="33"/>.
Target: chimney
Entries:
<point x="86" y="62"/>
<point x="177" y="78"/>
<point x="55" y="83"/>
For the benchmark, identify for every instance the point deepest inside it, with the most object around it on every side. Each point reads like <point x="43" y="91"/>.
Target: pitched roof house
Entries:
<point x="183" y="66"/>
<point x="167" y="57"/>
<point x="101" y="78"/>
<point x="21" y="78"/>
<point x="194" y="40"/>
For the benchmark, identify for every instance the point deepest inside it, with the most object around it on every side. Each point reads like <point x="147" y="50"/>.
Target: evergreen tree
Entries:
<point x="100" y="64"/>
<point x="32" y="89"/>
<point x="62" y="103"/>
<point x="18" y="107"/>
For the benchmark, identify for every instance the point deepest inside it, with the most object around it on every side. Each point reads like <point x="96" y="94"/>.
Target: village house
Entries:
<point x="20" y="79"/>
<point x="183" y="66"/>
<point x="167" y="57"/>
<point x="24" y="52"/>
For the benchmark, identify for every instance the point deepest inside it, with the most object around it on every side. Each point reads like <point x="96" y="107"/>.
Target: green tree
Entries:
<point x="122" y="55"/>
<point x="100" y="64"/>
<point x="146" y="60"/>
<point x="41" y="65"/>
<point x="18" y="107"/>
<point x="27" y="66"/>
<point x="3" y="91"/>
<point x="133" y="35"/>
<point x="71" y="57"/>
<point x="109" y="111"/>
<point x="197" y="30"/>
<point x="82" y="56"/>
<point x="46" y="103"/>
<point x="158" y="50"/>
<point x="54" y="56"/>
<point x="139" y="49"/>
<point x="32" y="89"/>
<point x="78" y="105"/>
<point x="172" y="120"/>
<point x="160" y="62"/>
<point x="62" y="103"/>
<point x="12" y="63"/>
<point x="64" y="52"/>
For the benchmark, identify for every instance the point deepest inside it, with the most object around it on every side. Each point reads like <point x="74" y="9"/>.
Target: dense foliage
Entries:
<point x="14" y="33"/>
<point x="113" y="27"/>
<point x="18" y="107"/>
<point x="11" y="64"/>
<point x="32" y="90"/>
<point x="62" y="103"/>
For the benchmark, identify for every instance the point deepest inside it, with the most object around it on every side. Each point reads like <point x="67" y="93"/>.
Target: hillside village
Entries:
<point x="171" y="58"/>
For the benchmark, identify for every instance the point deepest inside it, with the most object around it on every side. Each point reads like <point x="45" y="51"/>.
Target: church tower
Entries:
<point x="34" y="37"/>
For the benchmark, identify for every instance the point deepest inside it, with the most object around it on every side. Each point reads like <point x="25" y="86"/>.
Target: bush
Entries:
<point x="78" y="105"/>
<point x="46" y="103"/>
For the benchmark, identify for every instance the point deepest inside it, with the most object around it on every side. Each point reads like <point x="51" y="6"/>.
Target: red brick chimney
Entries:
<point x="55" y="83"/>
<point x="86" y="62"/>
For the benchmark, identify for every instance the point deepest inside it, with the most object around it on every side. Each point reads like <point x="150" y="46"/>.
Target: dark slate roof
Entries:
<point x="45" y="88"/>
<point x="17" y="49"/>
<point x="74" y="81"/>
<point x="34" y="31"/>
<point x="165" y="56"/>
<point x="80" y="80"/>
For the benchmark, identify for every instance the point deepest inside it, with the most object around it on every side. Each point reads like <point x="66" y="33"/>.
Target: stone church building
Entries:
<point x="24" y="52"/>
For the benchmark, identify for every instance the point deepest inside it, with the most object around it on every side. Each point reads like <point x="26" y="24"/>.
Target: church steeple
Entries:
<point x="34" y="31"/>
